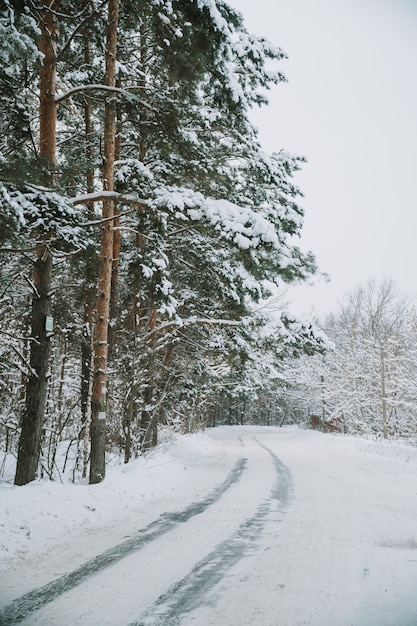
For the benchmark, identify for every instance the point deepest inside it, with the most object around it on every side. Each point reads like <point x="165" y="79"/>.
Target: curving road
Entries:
<point x="304" y="529"/>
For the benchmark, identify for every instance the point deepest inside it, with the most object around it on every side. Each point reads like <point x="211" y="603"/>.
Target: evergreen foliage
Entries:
<point x="207" y="220"/>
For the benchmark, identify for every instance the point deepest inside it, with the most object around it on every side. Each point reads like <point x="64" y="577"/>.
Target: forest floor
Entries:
<point x="239" y="526"/>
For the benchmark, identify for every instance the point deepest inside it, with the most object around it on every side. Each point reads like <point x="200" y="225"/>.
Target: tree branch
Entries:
<point x="18" y="250"/>
<point x="98" y="196"/>
<point x="25" y="361"/>
<point x="190" y="322"/>
<point x="12" y="336"/>
<point x="99" y="87"/>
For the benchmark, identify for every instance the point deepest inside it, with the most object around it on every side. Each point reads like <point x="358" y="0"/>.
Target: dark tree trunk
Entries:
<point x="33" y="417"/>
<point x="148" y="421"/>
<point x="36" y="387"/>
<point x="86" y="354"/>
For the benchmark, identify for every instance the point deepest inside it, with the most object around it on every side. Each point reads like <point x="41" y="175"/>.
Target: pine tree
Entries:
<point x="99" y="392"/>
<point x="39" y="219"/>
<point x="189" y="159"/>
<point x="198" y="222"/>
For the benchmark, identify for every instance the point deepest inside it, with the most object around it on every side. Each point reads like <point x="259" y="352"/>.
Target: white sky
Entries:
<point x="350" y="107"/>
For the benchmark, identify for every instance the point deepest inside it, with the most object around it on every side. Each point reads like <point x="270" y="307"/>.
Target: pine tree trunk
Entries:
<point x="99" y="394"/>
<point x="87" y="416"/>
<point x="47" y="86"/>
<point x="33" y="416"/>
<point x="86" y="353"/>
<point x="148" y="422"/>
<point x="61" y="419"/>
<point x="34" y="412"/>
<point x="131" y="413"/>
<point x="114" y="291"/>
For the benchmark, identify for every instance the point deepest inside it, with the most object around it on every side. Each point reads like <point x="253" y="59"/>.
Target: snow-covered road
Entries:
<point x="243" y="526"/>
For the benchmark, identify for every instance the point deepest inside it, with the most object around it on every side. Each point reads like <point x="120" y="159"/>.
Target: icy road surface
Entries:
<point x="245" y="526"/>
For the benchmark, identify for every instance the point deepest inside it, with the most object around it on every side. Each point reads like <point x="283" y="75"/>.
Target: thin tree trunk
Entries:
<point x="61" y="386"/>
<point x="148" y="425"/>
<point x="383" y="396"/>
<point x="26" y="357"/>
<point x="99" y="393"/>
<point x="36" y="387"/>
<point x="131" y="412"/>
<point x="127" y="426"/>
<point x="114" y="291"/>
<point x="87" y="419"/>
<point x="86" y="350"/>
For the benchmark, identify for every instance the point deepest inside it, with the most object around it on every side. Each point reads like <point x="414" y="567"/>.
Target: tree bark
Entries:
<point x="99" y="394"/>
<point x="148" y="422"/>
<point x="47" y="88"/>
<point x="36" y="387"/>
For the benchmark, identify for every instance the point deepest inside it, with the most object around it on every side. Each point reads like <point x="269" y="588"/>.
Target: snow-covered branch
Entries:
<point x="25" y="361"/>
<point x="191" y="321"/>
<point x="99" y="87"/>
<point x="98" y="196"/>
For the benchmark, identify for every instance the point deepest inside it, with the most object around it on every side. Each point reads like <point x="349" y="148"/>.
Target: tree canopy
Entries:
<point x="128" y="157"/>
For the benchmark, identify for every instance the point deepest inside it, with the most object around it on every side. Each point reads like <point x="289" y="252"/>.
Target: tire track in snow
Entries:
<point x="20" y="608"/>
<point x="192" y="591"/>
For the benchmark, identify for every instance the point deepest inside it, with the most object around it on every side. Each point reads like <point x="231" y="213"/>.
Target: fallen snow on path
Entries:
<point x="316" y="529"/>
<point x="36" y="518"/>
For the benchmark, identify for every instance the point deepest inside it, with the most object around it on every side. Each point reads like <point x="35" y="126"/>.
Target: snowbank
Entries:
<point x="36" y="517"/>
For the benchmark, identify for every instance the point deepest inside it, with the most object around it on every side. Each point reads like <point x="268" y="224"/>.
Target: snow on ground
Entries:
<point x="313" y="529"/>
<point x="37" y="517"/>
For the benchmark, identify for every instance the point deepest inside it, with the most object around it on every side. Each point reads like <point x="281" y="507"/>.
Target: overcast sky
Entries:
<point x="350" y="107"/>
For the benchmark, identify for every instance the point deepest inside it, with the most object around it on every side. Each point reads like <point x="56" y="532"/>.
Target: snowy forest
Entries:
<point x="146" y="238"/>
<point x="365" y="383"/>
